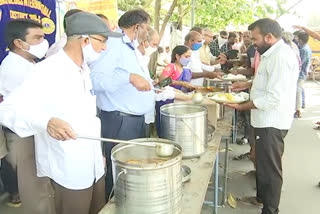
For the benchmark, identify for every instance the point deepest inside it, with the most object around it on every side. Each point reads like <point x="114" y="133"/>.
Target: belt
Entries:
<point x="123" y="114"/>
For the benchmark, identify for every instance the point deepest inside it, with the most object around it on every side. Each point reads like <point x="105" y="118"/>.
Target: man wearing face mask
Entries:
<point x="123" y="91"/>
<point x="25" y="40"/>
<point x="153" y="39"/>
<point x="58" y="45"/>
<point x="216" y="45"/>
<point x="61" y="108"/>
<point x="143" y="52"/>
<point x="193" y="40"/>
<point x="272" y="104"/>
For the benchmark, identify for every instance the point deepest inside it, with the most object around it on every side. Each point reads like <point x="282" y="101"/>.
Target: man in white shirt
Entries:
<point x="143" y="51"/>
<point x="56" y="104"/>
<point x="193" y="40"/>
<point x="272" y="101"/>
<point x="147" y="44"/>
<point x="25" y="40"/>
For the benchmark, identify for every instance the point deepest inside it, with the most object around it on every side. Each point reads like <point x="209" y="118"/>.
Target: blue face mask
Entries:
<point x="184" y="61"/>
<point x="196" y="46"/>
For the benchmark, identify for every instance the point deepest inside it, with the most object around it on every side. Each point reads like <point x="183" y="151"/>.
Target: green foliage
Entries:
<point x="215" y="14"/>
<point x="126" y="5"/>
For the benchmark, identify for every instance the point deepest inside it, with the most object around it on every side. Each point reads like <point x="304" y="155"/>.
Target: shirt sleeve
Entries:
<point x="22" y="111"/>
<point x="168" y="71"/>
<point x="274" y="75"/>
<point x="106" y="73"/>
<point x="305" y="60"/>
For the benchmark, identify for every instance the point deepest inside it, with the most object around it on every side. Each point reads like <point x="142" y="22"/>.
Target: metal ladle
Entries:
<point x="197" y="98"/>
<point x="162" y="149"/>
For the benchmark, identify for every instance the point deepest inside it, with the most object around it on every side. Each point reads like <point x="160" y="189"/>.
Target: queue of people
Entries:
<point x="48" y="105"/>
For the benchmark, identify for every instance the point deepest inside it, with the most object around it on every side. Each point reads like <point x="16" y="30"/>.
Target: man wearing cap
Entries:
<point x="55" y="98"/>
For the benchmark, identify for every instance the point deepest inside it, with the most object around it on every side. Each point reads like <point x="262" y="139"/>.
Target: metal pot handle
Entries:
<point x="123" y="171"/>
<point x="211" y="135"/>
<point x="194" y="134"/>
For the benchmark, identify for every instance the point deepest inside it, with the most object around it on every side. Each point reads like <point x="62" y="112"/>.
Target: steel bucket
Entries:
<point x="145" y="183"/>
<point x="186" y="125"/>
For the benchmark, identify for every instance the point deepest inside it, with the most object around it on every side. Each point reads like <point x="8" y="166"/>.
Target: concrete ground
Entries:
<point x="300" y="165"/>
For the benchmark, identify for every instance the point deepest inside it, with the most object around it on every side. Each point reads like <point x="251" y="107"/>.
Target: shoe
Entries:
<point x="14" y="202"/>
<point x="251" y="200"/>
<point x="242" y="141"/>
<point x="297" y="114"/>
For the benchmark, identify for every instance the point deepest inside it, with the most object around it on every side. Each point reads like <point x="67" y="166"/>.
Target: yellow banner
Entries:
<point x="106" y="7"/>
<point x="315" y="47"/>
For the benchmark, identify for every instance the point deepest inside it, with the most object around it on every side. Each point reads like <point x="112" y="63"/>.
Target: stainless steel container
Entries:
<point x="145" y="183"/>
<point x="186" y="125"/>
<point x="222" y="85"/>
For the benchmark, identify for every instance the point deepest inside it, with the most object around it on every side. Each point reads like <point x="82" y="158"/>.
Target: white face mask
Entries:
<point x="150" y="50"/>
<point x="89" y="54"/>
<point x="221" y="41"/>
<point x="135" y="43"/>
<point x="38" y="50"/>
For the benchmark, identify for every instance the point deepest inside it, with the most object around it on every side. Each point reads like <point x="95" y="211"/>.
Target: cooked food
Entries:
<point x="234" y="77"/>
<point x="147" y="161"/>
<point x="231" y="97"/>
<point x="207" y="89"/>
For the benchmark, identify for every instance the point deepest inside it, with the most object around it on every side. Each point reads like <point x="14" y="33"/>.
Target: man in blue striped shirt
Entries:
<point x="305" y="55"/>
<point x="122" y="88"/>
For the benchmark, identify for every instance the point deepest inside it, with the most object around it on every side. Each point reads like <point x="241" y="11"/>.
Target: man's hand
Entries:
<point x="235" y="106"/>
<point x="60" y="130"/>
<point x="297" y="27"/>
<point x="214" y="74"/>
<point x="222" y="58"/>
<point x="140" y="83"/>
<point x="243" y="106"/>
<point x="155" y="82"/>
<point x="188" y="86"/>
<point x="240" y="86"/>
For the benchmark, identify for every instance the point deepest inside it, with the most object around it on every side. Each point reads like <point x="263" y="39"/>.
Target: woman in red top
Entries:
<point x="180" y="76"/>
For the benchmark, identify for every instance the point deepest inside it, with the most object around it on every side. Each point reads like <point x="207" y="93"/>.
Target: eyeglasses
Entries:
<point x="100" y="40"/>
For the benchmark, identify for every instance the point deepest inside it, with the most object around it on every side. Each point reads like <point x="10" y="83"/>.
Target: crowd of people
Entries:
<point x="96" y="82"/>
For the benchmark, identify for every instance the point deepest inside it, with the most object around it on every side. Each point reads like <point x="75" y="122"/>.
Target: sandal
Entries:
<point x="14" y="202"/>
<point x="242" y="156"/>
<point x="317" y="128"/>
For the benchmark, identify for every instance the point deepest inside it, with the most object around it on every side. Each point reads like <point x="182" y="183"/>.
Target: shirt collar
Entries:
<point x="71" y="63"/>
<point x="127" y="41"/>
<point x="17" y="56"/>
<point x="273" y="48"/>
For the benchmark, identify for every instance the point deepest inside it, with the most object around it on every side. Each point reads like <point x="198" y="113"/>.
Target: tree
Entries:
<point x="215" y="14"/>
